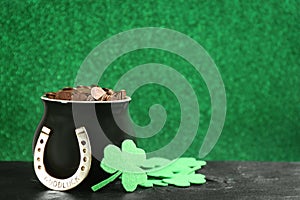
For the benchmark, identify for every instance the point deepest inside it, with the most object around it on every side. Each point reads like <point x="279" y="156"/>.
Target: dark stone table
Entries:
<point x="225" y="180"/>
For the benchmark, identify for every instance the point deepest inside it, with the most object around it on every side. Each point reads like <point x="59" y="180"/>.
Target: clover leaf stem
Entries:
<point x="106" y="181"/>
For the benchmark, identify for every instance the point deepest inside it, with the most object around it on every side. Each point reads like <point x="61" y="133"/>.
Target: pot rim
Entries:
<point x="127" y="99"/>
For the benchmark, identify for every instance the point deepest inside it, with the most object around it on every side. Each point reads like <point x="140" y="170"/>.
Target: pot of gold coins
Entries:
<point x="76" y="126"/>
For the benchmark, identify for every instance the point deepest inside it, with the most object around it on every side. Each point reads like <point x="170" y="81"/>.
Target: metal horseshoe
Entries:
<point x="83" y="168"/>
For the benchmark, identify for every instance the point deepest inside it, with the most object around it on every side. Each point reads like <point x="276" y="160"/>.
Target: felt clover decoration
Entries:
<point x="125" y="162"/>
<point x="152" y="182"/>
<point x="184" y="180"/>
<point x="180" y="173"/>
<point x="130" y="164"/>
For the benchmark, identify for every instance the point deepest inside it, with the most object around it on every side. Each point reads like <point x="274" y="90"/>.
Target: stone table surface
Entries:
<point x="225" y="180"/>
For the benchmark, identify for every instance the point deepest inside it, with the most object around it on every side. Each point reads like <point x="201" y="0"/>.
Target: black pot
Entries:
<point x="105" y="122"/>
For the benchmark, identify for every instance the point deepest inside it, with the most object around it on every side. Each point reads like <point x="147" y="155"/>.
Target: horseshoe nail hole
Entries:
<point x="84" y="150"/>
<point x="39" y="167"/>
<point x="41" y="141"/>
<point x="83" y="142"/>
<point x="84" y="159"/>
<point x="82" y="168"/>
<point x="38" y="159"/>
<point x="39" y="149"/>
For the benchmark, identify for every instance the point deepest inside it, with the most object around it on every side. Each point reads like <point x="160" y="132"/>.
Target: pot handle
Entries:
<point x="83" y="168"/>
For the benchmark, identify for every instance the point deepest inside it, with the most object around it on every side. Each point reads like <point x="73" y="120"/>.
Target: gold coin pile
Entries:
<point x="87" y="93"/>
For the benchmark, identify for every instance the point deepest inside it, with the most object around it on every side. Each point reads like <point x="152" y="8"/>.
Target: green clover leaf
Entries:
<point x="152" y="182"/>
<point x="125" y="162"/>
<point x="180" y="172"/>
<point x="130" y="181"/>
<point x="164" y="172"/>
<point x="128" y="159"/>
<point x="185" y="164"/>
<point x="181" y="165"/>
<point x="185" y="180"/>
<point x="155" y="162"/>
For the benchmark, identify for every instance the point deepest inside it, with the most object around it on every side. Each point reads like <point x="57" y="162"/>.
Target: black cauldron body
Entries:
<point x="105" y="123"/>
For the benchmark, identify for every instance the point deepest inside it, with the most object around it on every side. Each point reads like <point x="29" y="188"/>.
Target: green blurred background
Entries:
<point x="255" y="45"/>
